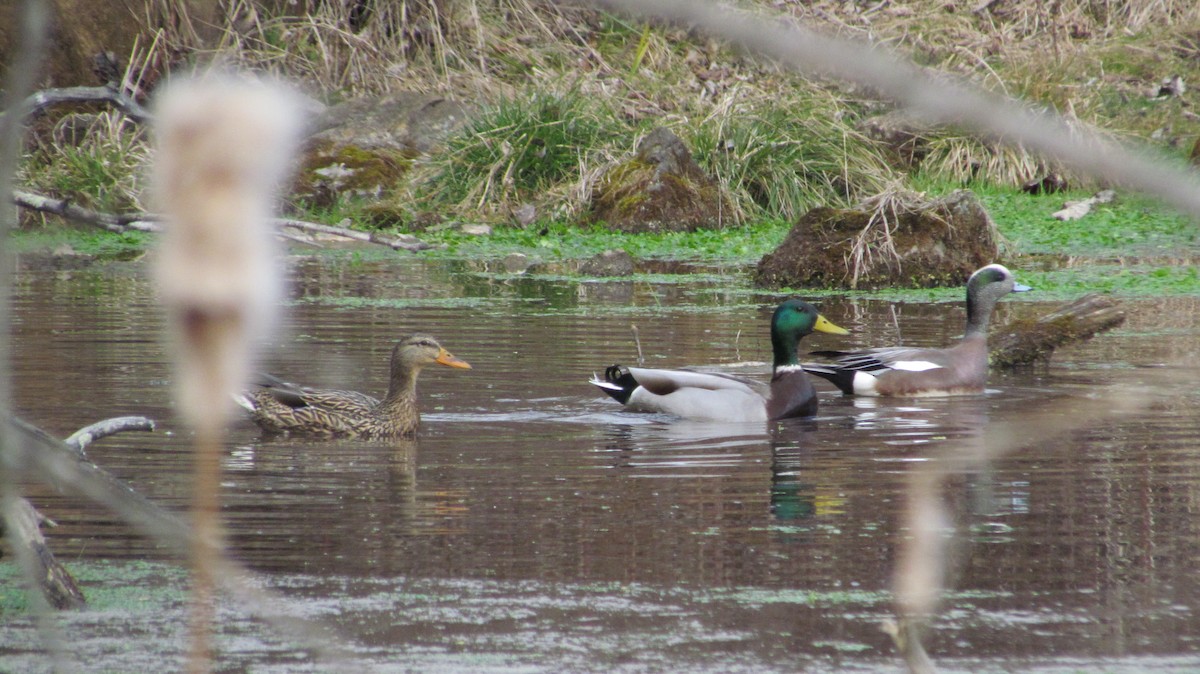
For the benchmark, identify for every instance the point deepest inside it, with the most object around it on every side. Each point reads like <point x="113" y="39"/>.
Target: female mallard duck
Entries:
<point x="723" y="397"/>
<point x="280" y="407"/>
<point x="901" y="371"/>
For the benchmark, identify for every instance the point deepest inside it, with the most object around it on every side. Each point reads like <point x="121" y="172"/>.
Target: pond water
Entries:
<point x="535" y="526"/>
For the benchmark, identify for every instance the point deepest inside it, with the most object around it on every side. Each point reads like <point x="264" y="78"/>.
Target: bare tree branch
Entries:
<point x="63" y="208"/>
<point x="21" y="525"/>
<point x="40" y="100"/>
<point x="148" y="222"/>
<point x="400" y="242"/>
<point x="85" y="436"/>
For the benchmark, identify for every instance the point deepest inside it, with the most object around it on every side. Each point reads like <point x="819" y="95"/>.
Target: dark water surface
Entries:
<point x="536" y="527"/>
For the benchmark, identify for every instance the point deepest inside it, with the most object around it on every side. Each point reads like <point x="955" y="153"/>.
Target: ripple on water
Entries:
<point x="537" y="526"/>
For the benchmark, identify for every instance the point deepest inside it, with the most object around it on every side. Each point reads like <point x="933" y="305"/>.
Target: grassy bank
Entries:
<point x="1132" y="246"/>
<point x="562" y="94"/>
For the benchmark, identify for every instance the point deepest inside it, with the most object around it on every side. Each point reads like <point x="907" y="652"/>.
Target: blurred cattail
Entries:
<point x="224" y="147"/>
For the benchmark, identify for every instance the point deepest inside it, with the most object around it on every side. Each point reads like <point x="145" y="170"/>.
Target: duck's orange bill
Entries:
<point x="446" y="358"/>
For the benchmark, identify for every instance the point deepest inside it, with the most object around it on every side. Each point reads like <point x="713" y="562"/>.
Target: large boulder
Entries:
<point x="661" y="189"/>
<point x="363" y="147"/>
<point x="404" y="121"/>
<point x="899" y="241"/>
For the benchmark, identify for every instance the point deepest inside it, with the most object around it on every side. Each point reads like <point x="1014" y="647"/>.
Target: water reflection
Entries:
<point x="526" y="488"/>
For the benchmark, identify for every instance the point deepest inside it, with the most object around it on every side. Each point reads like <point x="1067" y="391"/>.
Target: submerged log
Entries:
<point x="1033" y="340"/>
<point x="21" y="525"/>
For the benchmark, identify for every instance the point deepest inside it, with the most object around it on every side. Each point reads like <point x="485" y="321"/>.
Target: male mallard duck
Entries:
<point x="901" y="371"/>
<point x="280" y="407"/>
<point x="723" y="397"/>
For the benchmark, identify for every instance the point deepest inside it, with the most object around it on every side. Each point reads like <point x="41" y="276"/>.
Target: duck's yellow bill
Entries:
<point x="825" y="325"/>
<point x="444" y="357"/>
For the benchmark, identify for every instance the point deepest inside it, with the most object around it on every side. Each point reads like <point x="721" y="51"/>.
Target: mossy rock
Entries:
<point x="938" y="243"/>
<point x="329" y="170"/>
<point x="363" y="147"/>
<point x="662" y="189"/>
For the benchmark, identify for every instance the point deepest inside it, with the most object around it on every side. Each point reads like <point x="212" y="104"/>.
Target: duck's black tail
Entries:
<point x="618" y="382"/>
<point x="841" y="378"/>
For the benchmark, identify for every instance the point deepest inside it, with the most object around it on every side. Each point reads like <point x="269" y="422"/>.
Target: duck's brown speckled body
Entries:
<point x="280" y="407"/>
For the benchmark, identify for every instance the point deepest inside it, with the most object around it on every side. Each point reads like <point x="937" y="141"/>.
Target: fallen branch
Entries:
<point x="22" y="523"/>
<point x="80" y="439"/>
<point x="40" y="100"/>
<point x="401" y="242"/>
<point x="148" y="222"/>
<point x="63" y="208"/>
<point x="1029" y="341"/>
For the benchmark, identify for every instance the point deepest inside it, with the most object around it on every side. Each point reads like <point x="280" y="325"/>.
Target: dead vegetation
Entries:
<point x="778" y="143"/>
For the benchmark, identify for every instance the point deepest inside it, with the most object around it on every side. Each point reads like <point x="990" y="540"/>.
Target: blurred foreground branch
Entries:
<point x="923" y="555"/>
<point x="62" y="467"/>
<point x="29" y="36"/>
<point x="936" y="97"/>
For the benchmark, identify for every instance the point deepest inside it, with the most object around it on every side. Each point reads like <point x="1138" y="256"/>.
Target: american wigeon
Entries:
<point x="903" y="371"/>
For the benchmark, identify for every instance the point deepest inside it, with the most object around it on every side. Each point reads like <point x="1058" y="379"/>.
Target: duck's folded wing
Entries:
<point x="708" y="396"/>
<point x="665" y="382"/>
<point x="886" y="358"/>
<point x="345" y="401"/>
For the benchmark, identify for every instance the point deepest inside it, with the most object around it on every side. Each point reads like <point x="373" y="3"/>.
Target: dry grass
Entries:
<point x="778" y="143"/>
<point x="875" y="240"/>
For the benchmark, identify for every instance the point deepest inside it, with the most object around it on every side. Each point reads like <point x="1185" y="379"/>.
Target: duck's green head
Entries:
<point x="792" y="321"/>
